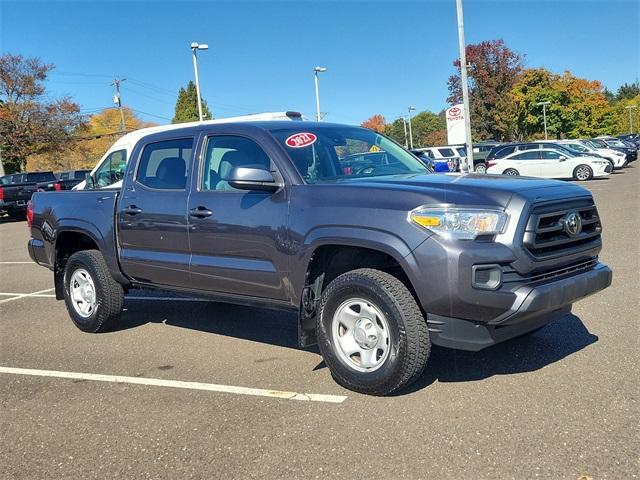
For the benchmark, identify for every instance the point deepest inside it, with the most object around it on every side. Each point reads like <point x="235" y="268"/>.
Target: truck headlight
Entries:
<point x="460" y="223"/>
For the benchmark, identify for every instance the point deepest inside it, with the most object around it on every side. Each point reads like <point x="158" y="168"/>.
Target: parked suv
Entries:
<point x="379" y="258"/>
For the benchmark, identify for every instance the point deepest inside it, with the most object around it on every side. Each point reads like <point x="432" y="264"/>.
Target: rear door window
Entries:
<point x="528" y="155"/>
<point x="165" y="165"/>
<point x="446" y="152"/>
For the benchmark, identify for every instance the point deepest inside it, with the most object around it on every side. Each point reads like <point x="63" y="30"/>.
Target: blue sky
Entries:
<point x="381" y="56"/>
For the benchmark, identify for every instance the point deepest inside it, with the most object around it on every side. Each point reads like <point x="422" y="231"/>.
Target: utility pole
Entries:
<point x="465" y="89"/>
<point x="630" y="107"/>
<point x="544" y="116"/>
<point x="404" y="124"/>
<point x="410" y="132"/>
<point x="117" y="100"/>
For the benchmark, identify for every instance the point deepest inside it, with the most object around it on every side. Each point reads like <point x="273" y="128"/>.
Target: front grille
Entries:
<point x="547" y="234"/>
<point x="510" y="275"/>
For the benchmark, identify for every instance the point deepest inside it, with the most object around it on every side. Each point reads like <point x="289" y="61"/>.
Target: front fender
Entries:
<point x="363" y="237"/>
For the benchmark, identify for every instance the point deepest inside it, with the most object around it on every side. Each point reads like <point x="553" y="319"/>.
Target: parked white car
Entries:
<point x="549" y="163"/>
<point x="617" y="157"/>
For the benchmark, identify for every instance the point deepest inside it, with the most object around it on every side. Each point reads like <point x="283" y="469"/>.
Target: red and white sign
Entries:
<point x="299" y="140"/>
<point x="456" y="134"/>
<point x="454" y="112"/>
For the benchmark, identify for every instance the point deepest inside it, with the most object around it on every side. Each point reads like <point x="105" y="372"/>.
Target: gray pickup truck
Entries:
<point x="380" y="258"/>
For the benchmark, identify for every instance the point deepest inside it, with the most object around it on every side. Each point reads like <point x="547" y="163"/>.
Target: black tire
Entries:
<point x="582" y="173"/>
<point x="109" y="294"/>
<point x="511" y="172"/>
<point x="480" y="167"/>
<point x="409" y="344"/>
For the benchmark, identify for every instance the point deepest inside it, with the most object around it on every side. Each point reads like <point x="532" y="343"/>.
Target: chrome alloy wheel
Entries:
<point x="83" y="293"/>
<point x="360" y="333"/>
<point x="583" y="173"/>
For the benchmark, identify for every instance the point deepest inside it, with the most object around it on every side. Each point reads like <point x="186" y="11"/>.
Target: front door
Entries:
<point x="239" y="240"/>
<point x="554" y="164"/>
<point x="152" y="221"/>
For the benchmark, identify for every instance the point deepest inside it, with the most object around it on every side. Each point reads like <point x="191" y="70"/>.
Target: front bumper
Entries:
<point x="534" y="306"/>
<point x="14" y="205"/>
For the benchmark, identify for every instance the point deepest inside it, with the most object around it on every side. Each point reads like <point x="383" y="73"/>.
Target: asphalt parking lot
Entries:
<point x="562" y="403"/>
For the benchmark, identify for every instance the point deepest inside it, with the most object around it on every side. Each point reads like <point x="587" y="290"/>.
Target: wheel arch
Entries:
<point x="328" y="257"/>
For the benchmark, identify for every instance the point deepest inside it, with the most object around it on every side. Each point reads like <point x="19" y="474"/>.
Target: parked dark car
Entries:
<point x="630" y="152"/>
<point x="65" y="180"/>
<point x="16" y="191"/>
<point x="379" y="262"/>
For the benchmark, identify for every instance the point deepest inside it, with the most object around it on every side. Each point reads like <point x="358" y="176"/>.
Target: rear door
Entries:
<point x="152" y="217"/>
<point x="239" y="238"/>
<point x="527" y="162"/>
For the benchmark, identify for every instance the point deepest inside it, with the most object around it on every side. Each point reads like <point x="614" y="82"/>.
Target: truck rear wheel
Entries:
<point x="93" y="298"/>
<point x="371" y="332"/>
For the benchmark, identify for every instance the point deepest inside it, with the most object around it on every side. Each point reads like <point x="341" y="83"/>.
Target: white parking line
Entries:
<point x="23" y="295"/>
<point x="156" y="382"/>
<point x="18" y="263"/>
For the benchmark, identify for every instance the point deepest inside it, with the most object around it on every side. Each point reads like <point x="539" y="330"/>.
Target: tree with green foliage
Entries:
<point x="578" y="107"/>
<point x="628" y="91"/>
<point x="187" y="106"/>
<point x="428" y="129"/>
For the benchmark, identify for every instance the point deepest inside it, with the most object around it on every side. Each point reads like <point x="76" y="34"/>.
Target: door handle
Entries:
<point x="200" y="212"/>
<point x="132" y="210"/>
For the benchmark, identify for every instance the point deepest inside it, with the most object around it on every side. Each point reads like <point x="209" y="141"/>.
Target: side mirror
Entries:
<point x="247" y="178"/>
<point x="562" y="158"/>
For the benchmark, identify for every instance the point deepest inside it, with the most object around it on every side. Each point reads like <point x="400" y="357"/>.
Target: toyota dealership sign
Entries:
<point x="455" y="125"/>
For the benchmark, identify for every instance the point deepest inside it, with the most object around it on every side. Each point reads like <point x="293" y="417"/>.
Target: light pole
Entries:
<point x="468" y="160"/>
<point x="630" y="107"/>
<point x="194" y="48"/>
<point x="317" y="70"/>
<point x="404" y="124"/>
<point x="410" y="132"/>
<point x="544" y="116"/>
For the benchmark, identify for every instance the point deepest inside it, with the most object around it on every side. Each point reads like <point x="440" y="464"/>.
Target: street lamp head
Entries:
<point x="629" y="107"/>
<point x="411" y="108"/>
<point x="320" y="69"/>
<point x="543" y="103"/>
<point x="199" y="46"/>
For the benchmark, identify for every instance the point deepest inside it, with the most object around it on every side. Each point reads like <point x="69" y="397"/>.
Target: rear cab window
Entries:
<point x="37" y="177"/>
<point x="165" y="165"/>
<point x="111" y="170"/>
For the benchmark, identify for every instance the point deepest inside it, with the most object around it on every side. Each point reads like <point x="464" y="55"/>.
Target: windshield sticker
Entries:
<point x="302" y="139"/>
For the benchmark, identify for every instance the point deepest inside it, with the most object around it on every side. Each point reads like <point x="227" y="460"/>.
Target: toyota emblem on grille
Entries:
<point x="572" y="224"/>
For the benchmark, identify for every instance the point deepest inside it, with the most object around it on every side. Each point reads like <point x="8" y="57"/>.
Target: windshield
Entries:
<point x="615" y="143"/>
<point x="329" y="154"/>
<point x="577" y="147"/>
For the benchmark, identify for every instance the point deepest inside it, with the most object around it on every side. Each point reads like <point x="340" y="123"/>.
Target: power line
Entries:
<point x="150" y="114"/>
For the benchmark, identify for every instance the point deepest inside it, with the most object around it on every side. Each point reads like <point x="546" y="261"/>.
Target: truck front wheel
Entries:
<point x="371" y="332"/>
<point x="93" y="298"/>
